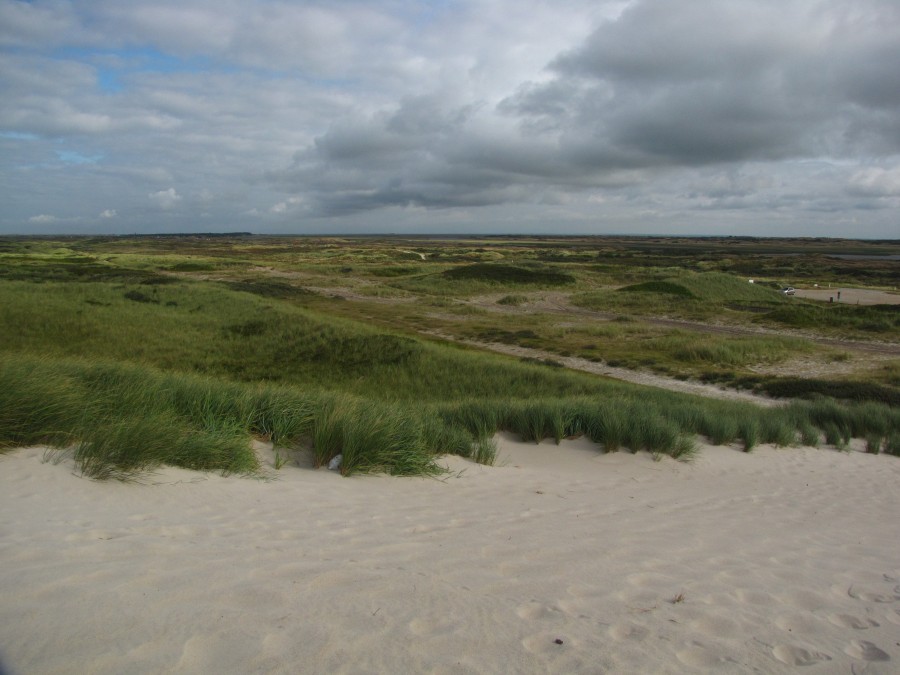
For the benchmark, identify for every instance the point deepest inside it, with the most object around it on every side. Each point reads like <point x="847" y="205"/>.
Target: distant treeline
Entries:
<point x="175" y="235"/>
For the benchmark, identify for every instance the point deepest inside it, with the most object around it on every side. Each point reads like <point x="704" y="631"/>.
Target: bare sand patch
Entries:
<point x="850" y="296"/>
<point x="560" y="559"/>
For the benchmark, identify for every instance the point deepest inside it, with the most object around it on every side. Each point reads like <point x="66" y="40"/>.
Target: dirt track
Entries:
<point x="624" y="374"/>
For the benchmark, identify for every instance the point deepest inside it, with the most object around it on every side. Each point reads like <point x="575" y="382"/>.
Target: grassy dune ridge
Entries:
<point x="119" y="420"/>
<point x="112" y="357"/>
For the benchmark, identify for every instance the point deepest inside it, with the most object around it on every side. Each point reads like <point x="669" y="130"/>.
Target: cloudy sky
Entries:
<point x="733" y="117"/>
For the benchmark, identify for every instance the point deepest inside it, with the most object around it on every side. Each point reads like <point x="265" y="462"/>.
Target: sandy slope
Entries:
<point x="561" y="560"/>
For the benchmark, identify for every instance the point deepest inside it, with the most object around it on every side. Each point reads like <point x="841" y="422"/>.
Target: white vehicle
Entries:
<point x="788" y="291"/>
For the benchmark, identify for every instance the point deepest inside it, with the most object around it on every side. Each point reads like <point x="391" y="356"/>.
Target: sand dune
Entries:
<point x="558" y="560"/>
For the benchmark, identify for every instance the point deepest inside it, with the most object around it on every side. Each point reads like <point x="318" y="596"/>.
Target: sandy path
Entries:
<point x="624" y="374"/>
<point x="562" y="560"/>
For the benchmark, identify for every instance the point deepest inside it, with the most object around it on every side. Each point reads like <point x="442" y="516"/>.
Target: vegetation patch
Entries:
<point x="523" y="336"/>
<point x="269" y="289"/>
<point x="865" y="318"/>
<point x="790" y="387"/>
<point x="665" y="287"/>
<point x="192" y="266"/>
<point x="394" y="271"/>
<point x="497" y="273"/>
<point x="137" y="296"/>
<point x="512" y="300"/>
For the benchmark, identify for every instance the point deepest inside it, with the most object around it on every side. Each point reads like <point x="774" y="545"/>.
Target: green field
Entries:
<point x="134" y="352"/>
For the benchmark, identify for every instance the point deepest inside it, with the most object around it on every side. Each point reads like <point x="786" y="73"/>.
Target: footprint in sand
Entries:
<point x="894" y="616"/>
<point x="870" y="596"/>
<point x="535" y="610"/>
<point x="545" y="642"/>
<point x="808" y="600"/>
<point x="868" y="668"/>
<point x="699" y="656"/>
<point x="850" y="621"/>
<point x="423" y="627"/>
<point x="797" y="623"/>
<point x="716" y="626"/>
<point x="648" y="579"/>
<point x="628" y="631"/>
<point x="95" y="535"/>
<point x="760" y="598"/>
<point x="866" y="651"/>
<point x="798" y="656"/>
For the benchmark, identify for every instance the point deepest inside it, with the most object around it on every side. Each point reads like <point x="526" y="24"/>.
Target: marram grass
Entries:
<point x="119" y="420"/>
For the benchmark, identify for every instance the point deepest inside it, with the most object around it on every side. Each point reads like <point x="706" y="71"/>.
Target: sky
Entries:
<point x="672" y="117"/>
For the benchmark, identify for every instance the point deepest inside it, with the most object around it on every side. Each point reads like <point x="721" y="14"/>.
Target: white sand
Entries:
<point x="783" y="557"/>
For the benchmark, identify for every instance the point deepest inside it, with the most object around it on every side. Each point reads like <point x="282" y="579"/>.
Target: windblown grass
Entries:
<point x="120" y="420"/>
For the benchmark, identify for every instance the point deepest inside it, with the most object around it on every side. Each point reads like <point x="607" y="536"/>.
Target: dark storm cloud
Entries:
<point x="707" y="82"/>
<point x="665" y="86"/>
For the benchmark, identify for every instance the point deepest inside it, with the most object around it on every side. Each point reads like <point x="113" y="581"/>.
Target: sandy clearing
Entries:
<point x="850" y="296"/>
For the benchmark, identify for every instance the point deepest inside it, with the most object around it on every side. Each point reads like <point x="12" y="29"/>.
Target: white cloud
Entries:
<point x="165" y="199"/>
<point x="43" y="219"/>
<point x="876" y="181"/>
<point x="108" y="213"/>
<point x="282" y="207"/>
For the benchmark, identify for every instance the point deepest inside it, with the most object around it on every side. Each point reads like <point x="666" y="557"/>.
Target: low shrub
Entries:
<point x="788" y="387"/>
<point x="497" y="273"/>
<point x="664" y="287"/>
<point x="512" y="300"/>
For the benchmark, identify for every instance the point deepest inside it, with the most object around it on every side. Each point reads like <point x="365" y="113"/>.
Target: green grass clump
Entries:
<point x="117" y="420"/>
<point x="127" y="446"/>
<point x="192" y="266"/>
<point x="371" y="437"/>
<point x="374" y="437"/>
<point x="792" y="387"/>
<point x="873" y="443"/>
<point x="722" y="429"/>
<point x="498" y="273"/>
<point x="535" y="421"/>
<point x="836" y="436"/>
<point x="484" y="451"/>
<point x="809" y="434"/>
<point x="34" y="408"/>
<point x="879" y="319"/>
<point x="727" y="352"/>
<point x="778" y="430"/>
<point x="606" y="424"/>
<point x="892" y="444"/>
<point x="512" y="300"/>
<point x="269" y="288"/>
<point x="749" y="431"/>
<point x="693" y="295"/>
<point x="664" y="287"/>
<point x="394" y="271"/>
